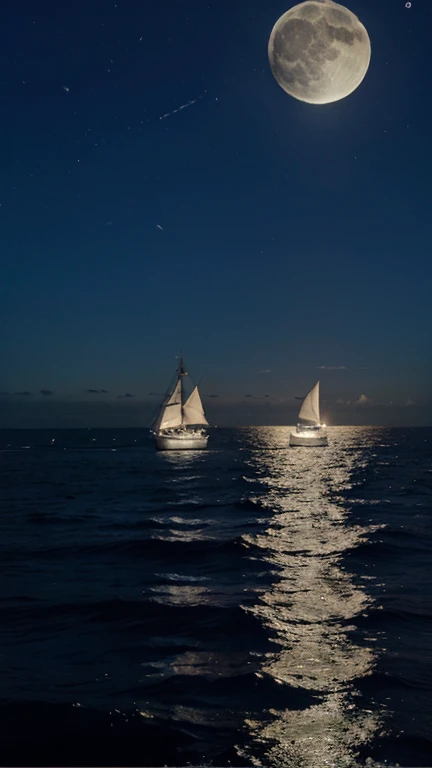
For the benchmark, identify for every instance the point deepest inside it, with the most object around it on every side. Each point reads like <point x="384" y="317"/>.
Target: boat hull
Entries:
<point x="313" y="441"/>
<point x="181" y="442"/>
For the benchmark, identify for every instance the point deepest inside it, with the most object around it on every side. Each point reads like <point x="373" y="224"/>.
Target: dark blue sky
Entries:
<point x="293" y="236"/>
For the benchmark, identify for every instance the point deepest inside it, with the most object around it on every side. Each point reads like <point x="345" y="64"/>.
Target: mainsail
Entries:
<point x="309" y="412"/>
<point x="175" y="414"/>
<point x="193" y="411"/>
<point x="171" y="412"/>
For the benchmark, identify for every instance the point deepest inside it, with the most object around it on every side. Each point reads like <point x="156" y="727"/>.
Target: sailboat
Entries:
<point x="180" y="424"/>
<point x="310" y="431"/>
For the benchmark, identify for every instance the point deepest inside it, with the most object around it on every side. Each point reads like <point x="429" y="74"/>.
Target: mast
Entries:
<point x="181" y="374"/>
<point x="181" y="368"/>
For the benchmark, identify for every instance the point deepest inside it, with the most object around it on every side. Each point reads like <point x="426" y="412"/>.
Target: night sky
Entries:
<point x="159" y="191"/>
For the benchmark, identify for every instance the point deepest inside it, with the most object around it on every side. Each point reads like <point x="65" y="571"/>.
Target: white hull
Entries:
<point x="310" y="441"/>
<point x="181" y="442"/>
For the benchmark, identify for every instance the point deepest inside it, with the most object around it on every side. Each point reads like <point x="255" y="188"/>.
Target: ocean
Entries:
<point x="246" y="605"/>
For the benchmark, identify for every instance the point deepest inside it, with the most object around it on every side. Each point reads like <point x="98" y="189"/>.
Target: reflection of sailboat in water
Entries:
<point x="310" y="431"/>
<point x="309" y="611"/>
<point x="179" y="425"/>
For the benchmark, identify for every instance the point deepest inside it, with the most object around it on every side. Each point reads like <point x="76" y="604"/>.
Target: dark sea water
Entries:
<point x="247" y="605"/>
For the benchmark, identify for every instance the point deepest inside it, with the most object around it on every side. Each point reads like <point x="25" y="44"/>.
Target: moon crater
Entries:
<point x="319" y="51"/>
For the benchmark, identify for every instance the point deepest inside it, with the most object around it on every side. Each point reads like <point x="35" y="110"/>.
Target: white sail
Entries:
<point x="309" y="412"/>
<point x="171" y="411"/>
<point x="193" y="411"/>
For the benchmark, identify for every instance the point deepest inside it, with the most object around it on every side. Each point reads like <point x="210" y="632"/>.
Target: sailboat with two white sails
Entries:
<point x="180" y="425"/>
<point x="310" y="431"/>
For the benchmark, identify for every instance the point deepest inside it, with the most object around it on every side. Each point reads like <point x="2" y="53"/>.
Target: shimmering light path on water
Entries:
<point x="251" y="604"/>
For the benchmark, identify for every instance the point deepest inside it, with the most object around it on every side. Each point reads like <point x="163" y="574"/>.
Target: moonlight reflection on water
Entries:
<point x="311" y="609"/>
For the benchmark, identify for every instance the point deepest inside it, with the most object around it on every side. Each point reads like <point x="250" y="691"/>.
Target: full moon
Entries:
<point x="319" y="51"/>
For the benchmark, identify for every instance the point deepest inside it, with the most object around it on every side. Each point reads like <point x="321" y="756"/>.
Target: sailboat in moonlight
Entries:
<point x="310" y="431"/>
<point x="180" y="423"/>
